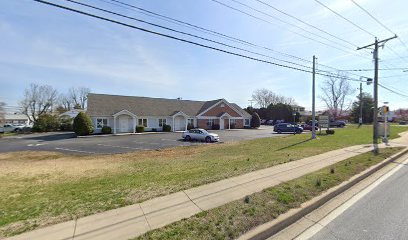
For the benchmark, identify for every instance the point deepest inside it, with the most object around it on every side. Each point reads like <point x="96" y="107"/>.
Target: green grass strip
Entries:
<point x="234" y="219"/>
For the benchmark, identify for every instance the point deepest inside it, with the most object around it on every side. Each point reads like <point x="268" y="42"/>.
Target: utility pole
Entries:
<point x="360" y="119"/>
<point x="313" y="99"/>
<point x="375" y="117"/>
<point x="250" y="101"/>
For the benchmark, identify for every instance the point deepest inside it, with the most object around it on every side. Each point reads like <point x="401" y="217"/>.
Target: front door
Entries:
<point x="221" y="124"/>
<point x="123" y="124"/>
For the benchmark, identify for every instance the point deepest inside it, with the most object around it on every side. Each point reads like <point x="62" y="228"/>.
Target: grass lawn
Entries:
<point x="40" y="188"/>
<point x="234" y="219"/>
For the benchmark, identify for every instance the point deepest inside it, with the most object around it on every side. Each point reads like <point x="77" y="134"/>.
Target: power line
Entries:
<point x="304" y="36"/>
<point x="201" y="29"/>
<point x="381" y="69"/>
<point x="379" y="22"/>
<point x="184" y="33"/>
<point x="206" y="30"/>
<point x="183" y="40"/>
<point x="341" y="16"/>
<point x="280" y="20"/>
<point x="393" y="91"/>
<point x="307" y="24"/>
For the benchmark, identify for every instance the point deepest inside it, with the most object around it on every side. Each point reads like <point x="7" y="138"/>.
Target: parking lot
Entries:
<point x="68" y="143"/>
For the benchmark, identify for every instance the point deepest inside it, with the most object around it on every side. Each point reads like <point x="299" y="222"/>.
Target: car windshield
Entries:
<point x="204" y="131"/>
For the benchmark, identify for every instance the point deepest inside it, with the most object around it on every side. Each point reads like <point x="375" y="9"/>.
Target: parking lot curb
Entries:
<point x="120" y="134"/>
<point x="285" y="220"/>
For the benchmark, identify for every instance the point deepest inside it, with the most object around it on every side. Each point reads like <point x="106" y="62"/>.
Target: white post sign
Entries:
<point x="323" y="121"/>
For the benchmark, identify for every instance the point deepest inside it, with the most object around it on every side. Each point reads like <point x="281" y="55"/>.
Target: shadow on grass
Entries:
<point x="294" y="144"/>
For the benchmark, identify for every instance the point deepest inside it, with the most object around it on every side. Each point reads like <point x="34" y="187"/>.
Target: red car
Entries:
<point x="308" y="127"/>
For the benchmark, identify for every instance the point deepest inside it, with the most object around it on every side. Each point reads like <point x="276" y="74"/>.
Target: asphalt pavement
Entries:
<point x="381" y="214"/>
<point x="111" y="144"/>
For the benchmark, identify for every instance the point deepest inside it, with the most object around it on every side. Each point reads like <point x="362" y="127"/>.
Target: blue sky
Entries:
<point x="45" y="45"/>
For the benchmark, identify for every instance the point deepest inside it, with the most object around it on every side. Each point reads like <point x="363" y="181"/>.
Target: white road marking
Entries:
<point x="169" y="140"/>
<point x="310" y="232"/>
<point x="73" y="150"/>
<point x="35" y="145"/>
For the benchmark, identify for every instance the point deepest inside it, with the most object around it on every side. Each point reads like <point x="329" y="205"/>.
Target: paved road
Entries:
<point x="381" y="214"/>
<point x="68" y="143"/>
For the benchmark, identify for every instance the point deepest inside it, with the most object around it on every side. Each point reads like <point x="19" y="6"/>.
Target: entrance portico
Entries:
<point x="124" y="122"/>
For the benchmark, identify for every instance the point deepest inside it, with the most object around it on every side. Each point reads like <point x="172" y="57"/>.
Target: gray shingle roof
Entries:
<point x="107" y="105"/>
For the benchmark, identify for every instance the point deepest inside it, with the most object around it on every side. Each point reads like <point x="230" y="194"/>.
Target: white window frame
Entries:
<point x="210" y="122"/>
<point x="144" y="122"/>
<point x="102" y="121"/>
<point x="233" y="121"/>
<point x="162" y="122"/>
<point x="249" y="122"/>
<point x="190" y="121"/>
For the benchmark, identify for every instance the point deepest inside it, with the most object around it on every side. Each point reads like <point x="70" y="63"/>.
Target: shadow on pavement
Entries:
<point x="53" y="137"/>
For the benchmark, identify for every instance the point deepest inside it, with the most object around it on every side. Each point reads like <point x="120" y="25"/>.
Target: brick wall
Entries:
<point x="218" y="110"/>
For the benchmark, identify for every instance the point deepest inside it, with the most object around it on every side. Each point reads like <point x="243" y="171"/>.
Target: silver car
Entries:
<point x="200" y="135"/>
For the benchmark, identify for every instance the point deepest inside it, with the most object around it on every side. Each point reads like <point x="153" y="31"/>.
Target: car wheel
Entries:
<point x="187" y="138"/>
<point x="207" y="139"/>
<point x="17" y="130"/>
<point x="279" y="131"/>
<point x="298" y="132"/>
<point x="342" y="126"/>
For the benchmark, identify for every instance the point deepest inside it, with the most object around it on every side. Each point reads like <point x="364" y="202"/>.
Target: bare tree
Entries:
<point x="65" y="101"/>
<point x="79" y="96"/>
<point x="38" y="99"/>
<point x="265" y="97"/>
<point x="335" y="90"/>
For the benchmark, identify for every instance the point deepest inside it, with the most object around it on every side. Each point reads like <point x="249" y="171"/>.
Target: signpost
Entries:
<point x="323" y="122"/>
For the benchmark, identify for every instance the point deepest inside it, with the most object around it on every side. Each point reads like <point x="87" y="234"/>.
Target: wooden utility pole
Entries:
<point x="313" y="100"/>
<point x="375" y="117"/>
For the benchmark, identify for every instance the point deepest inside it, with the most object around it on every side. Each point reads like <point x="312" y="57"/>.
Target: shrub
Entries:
<point x="255" y="121"/>
<point x="82" y="124"/>
<point x="106" y="130"/>
<point x="329" y="131"/>
<point x="190" y="126"/>
<point x="139" y="128"/>
<point x="215" y="127"/>
<point x="66" y="124"/>
<point x="46" y="123"/>
<point x="154" y="130"/>
<point x="166" y="128"/>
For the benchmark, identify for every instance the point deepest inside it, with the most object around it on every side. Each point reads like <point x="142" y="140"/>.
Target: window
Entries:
<point x="101" y="122"/>
<point x="222" y="105"/>
<point x="143" y="122"/>
<point x="190" y="121"/>
<point x="247" y="122"/>
<point x="162" y="122"/>
<point x="233" y="121"/>
<point x="210" y="122"/>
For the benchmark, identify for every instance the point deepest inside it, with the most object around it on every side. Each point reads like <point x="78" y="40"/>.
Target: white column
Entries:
<point x="134" y="124"/>
<point x="186" y="120"/>
<point x="173" y="125"/>
<point x="229" y="123"/>
<point x="114" y="124"/>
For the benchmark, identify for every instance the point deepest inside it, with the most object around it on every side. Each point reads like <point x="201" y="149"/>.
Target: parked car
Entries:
<point x="263" y="121"/>
<point x="337" y="123"/>
<point x="269" y="122"/>
<point x="200" y="135"/>
<point x="12" y="128"/>
<point x="287" y="127"/>
<point x="308" y="127"/>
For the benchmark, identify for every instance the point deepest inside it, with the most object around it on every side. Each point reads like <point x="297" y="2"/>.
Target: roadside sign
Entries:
<point x="323" y="121"/>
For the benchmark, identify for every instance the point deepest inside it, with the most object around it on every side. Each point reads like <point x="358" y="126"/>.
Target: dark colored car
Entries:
<point x="337" y="123"/>
<point x="308" y="127"/>
<point x="288" y="128"/>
